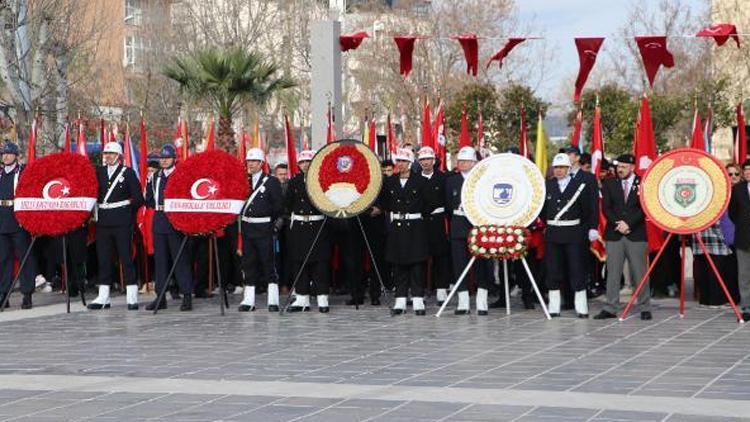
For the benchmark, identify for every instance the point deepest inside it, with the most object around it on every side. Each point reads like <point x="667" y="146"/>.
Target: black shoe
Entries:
<point x="499" y="303"/>
<point x="440" y="302"/>
<point x="153" y="305"/>
<point x="482" y="313"/>
<point x="187" y="303"/>
<point x="420" y="312"/>
<point x="97" y="306"/>
<point x="2" y="299"/>
<point x="646" y="316"/>
<point x="528" y="302"/>
<point x="273" y="308"/>
<point x="746" y="316"/>
<point x="26" y="304"/>
<point x="245" y="308"/>
<point x="355" y="302"/>
<point x="461" y="312"/>
<point x="375" y="301"/>
<point x="582" y="316"/>
<point x="133" y="306"/>
<point x="397" y="312"/>
<point x="298" y="309"/>
<point x="605" y="315"/>
<point x="323" y="309"/>
<point x="554" y="314"/>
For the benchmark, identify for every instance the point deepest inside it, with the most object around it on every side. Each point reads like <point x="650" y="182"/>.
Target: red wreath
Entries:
<point x="499" y="242"/>
<point x="226" y="170"/>
<point x="77" y="170"/>
<point x="358" y="174"/>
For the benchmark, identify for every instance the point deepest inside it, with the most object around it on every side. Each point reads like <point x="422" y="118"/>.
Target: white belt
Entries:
<point x="438" y="210"/>
<point x="459" y="212"/>
<point x="159" y="208"/>
<point x="6" y="203"/>
<point x="564" y="223"/>
<point x="400" y="216"/>
<point x="254" y="220"/>
<point x="307" y="218"/>
<point x="112" y="205"/>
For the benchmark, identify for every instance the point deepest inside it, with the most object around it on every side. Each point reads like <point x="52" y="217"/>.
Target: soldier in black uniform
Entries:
<point x="402" y="197"/>
<point x="304" y="223"/>
<point x="258" y="215"/>
<point x="570" y="217"/>
<point x="167" y="240"/>
<point x="435" y="223"/>
<point x="119" y="198"/>
<point x="459" y="231"/>
<point x="14" y="240"/>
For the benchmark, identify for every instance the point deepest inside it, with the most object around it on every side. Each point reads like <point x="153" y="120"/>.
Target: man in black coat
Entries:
<point x="625" y="236"/>
<point x="739" y="212"/>
<point x="570" y="217"/>
<point x="435" y="223"/>
<point x="402" y="198"/>
<point x="167" y="240"/>
<point x="305" y="222"/>
<point x="14" y="240"/>
<point x="259" y="213"/>
<point x="118" y="200"/>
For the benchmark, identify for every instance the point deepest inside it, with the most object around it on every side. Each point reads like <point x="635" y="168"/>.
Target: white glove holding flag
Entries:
<point x="593" y="235"/>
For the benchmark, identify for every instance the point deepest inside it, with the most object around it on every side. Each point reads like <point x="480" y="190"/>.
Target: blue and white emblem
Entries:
<point x="502" y="194"/>
<point x="344" y="164"/>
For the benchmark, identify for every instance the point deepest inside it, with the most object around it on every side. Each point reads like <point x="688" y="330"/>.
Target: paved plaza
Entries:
<point x="364" y="365"/>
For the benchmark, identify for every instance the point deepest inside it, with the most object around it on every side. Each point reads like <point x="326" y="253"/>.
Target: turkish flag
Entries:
<point x="721" y="32"/>
<point x="587" y="48"/>
<point x="645" y="154"/>
<point x="291" y="149"/>
<point x="741" y="136"/>
<point x="405" y="44"/>
<point x="575" y="139"/>
<point x="470" y="45"/>
<point x="698" y="140"/>
<point x="426" y="126"/>
<point x="500" y="54"/>
<point x="523" y="136"/>
<point x="464" y="139"/>
<point x="352" y="41"/>
<point x="654" y="54"/>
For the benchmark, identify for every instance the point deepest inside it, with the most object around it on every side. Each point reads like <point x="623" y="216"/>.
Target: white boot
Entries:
<point x="273" y="297"/>
<point x="102" y="300"/>
<point x="418" y="304"/>
<point x="481" y="301"/>
<point x="248" y="299"/>
<point x="582" y="304"/>
<point x="301" y="303"/>
<point x="441" y="295"/>
<point x="399" y="307"/>
<point x="131" y="296"/>
<point x="463" y="303"/>
<point x="554" y="303"/>
<point x="323" y="303"/>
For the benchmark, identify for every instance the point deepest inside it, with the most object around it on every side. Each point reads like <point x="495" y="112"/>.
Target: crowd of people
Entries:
<point x="411" y="242"/>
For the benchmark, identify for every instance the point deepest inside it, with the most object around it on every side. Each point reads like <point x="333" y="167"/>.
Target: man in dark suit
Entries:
<point x="739" y="212"/>
<point x="167" y="240"/>
<point x="625" y="236"/>
<point x="14" y="240"/>
<point x="258" y="215"/>
<point x="570" y="217"/>
<point x="119" y="198"/>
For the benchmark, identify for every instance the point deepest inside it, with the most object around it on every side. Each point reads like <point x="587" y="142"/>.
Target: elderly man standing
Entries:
<point x="625" y="236"/>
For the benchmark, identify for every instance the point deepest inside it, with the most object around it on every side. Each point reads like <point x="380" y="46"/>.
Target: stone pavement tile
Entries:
<point x="338" y="414"/>
<point x="150" y="409"/>
<point x="9" y="395"/>
<point x="427" y="410"/>
<point x="274" y="413"/>
<point x="693" y="418"/>
<point x="27" y="406"/>
<point x="627" y="416"/>
<point x="562" y="413"/>
<point x="486" y="412"/>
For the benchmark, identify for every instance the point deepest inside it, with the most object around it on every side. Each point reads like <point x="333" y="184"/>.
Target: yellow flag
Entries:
<point x="540" y="155"/>
<point x="255" y="141"/>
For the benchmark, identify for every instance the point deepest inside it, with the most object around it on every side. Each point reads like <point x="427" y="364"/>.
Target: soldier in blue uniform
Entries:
<point x="304" y="223"/>
<point x="118" y="200"/>
<point x="459" y="231"/>
<point x="14" y="240"/>
<point x="570" y="216"/>
<point x="167" y="240"/>
<point x="259" y="213"/>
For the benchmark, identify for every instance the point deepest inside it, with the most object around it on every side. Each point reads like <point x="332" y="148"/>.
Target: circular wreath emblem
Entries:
<point x="55" y="194"/>
<point x="503" y="190"/>
<point x="344" y="179"/>
<point x="498" y="242"/>
<point x="205" y="193"/>
<point x="685" y="191"/>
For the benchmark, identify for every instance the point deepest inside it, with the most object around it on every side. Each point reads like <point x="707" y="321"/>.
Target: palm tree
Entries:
<point x="226" y="79"/>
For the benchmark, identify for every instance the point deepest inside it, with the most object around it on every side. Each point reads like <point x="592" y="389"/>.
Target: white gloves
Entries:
<point x="593" y="235"/>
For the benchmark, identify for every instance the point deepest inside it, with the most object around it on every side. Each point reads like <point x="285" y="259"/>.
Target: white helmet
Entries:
<point x="425" y="152"/>
<point x="113" y="147"/>
<point x="467" y="153"/>
<point x="306" y="155"/>
<point x="404" y="154"/>
<point x="255" y="154"/>
<point x="561" y="160"/>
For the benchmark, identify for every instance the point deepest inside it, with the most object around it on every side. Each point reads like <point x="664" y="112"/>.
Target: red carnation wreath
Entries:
<point x="345" y="165"/>
<point x="206" y="192"/>
<point x="55" y="194"/>
<point x="499" y="242"/>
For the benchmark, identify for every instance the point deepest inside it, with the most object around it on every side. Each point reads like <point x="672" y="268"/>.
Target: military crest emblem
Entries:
<point x="684" y="192"/>
<point x="502" y="194"/>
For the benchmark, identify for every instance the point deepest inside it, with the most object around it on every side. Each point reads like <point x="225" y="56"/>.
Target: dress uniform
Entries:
<point x="305" y="222"/>
<point x="402" y="197"/>
<point x="167" y="240"/>
<point x="459" y="231"/>
<point x="570" y="216"/>
<point x="118" y="200"/>
<point x="260" y="211"/>
<point x="14" y="240"/>
<point x="435" y="223"/>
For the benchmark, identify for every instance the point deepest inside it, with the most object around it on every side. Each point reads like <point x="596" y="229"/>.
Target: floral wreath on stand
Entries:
<point x="499" y="242"/>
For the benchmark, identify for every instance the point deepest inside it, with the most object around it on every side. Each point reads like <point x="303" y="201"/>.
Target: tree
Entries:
<point x="226" y="80"/>
<point x="513" y="97"/>
<point x="472" y="97"/>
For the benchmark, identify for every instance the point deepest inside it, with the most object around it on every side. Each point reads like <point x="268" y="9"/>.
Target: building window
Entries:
<point x="134" y="53"/>
<point x="133" y="12"/>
